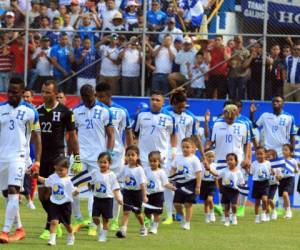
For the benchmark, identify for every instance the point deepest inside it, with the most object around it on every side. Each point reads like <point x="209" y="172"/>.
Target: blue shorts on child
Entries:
<point x="62" y="212"/>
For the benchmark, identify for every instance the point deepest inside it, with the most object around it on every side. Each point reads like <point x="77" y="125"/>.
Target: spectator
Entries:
<point x="84" y="57"/>
<point x="110" y="68"/>
<point x="184" y="57"/>
<point x="237" y="77"/>
<point x="172" y="30"/>
<point x="131" y="57"/>
<point x="131" y="13"/>
<point x="41" y="60"/>
<point x="292" y="72"/>
<point x="164" y="56"/>
<point x="274" y="76"/>
<point x="230" y="44"/>
<point x="75" y="11"/>
<point x="6" y="65"/>
<point x="17" y="49"/>
<point x="61" y="97"/>
<point x="45" y="25"/>
<point x="35" y="11"/>
<point x="198" y="83"/>
<point x="117" y="23"/>
<point x="217" y="84"/>
<point x="137" y="27"/>
<point x="87" y="26"/>
<point x="255" y="64"/>
<point x="67" y="27"/>
<point x="193" y="13"/>
<point x="286" y="51"/>
<point x="36" y="24"/>
<point x="61" y="59"/>
<point x="54" y="36"/>
<point x="9" y="23"/>
<point x="53" y="11"/>
<point x="62" y="11"/>
<point x="178" y="46"/>
<point x="155" y="17"/>
<point x="108" y="15"/>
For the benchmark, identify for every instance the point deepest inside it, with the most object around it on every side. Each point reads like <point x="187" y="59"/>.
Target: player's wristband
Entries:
<point x="111" y="153"/>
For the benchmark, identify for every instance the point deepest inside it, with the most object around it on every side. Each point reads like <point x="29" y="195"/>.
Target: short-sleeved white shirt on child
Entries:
<point x="133" y="177"/>
<point x="104" y="184"/>
<point x="261" y="171"/>
<point x="156" y="180"/>
<point x="62" y="189"/>
<point x="231" y="179"/>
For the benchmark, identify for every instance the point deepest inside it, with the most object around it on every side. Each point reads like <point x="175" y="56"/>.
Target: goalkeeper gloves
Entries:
<point x="76" y="166"/>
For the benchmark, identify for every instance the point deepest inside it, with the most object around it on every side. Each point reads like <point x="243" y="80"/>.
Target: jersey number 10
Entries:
<point x="228" y="138"/>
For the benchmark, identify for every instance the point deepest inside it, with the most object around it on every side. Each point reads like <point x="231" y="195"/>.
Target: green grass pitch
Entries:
<point x="280" y="234"/>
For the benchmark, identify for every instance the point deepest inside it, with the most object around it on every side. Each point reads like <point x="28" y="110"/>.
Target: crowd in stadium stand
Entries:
<point x="84" y="32"/>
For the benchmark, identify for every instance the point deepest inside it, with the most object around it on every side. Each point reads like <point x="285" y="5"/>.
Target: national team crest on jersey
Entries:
<point x="130" y="182"/>
<point x="183" y="170"/>
<point x="100" y="188"/>
<point x="56" y="116"/>
<point x="58" y="191"/>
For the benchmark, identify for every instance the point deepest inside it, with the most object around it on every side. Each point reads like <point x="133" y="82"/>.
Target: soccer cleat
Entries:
<point x="59" y="231"/>
<point x="70" y="239"/>
<point x="212" y="217"/>
<point x="168" y="221"/>
<point x="218" y="209"/>
<point x="153" y="230"/>
<point x="80" y="223"/>
<point x="280" y="211"/>
<point x="234" y="220"/>
<point x="274" y="215"/>
<point x="147" y="221"/>
<point x="241" y="211"/>
<point x="45" y="235"/>
<point x="92" y="230"/>
<point x="3" y="238"/>
<point x="114" y="225"/>
<point x="178" y="217"/>
<point x="31" y="205"/>
<point x="51" y="242"/>
<point x="143" y="231"/>
<point x="121" y="234"/>
<point x="18" y="235"/>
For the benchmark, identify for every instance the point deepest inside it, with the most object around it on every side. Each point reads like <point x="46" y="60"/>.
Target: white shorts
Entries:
<point x="117" y="163"/>
<point x="89" y="165"/>
<point x="11" y="174"/>
<point x="83" y="81"/>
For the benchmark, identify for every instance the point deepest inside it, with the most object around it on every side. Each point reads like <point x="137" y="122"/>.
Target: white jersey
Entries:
<point x="91" y="124"/>
<point x="155" y="130"/>
<point x="120" y="122"/>
<point x="188" y="166"/>
<point x="62" y="189"/>
<point x="230" y="138"/>
<point x="156" y="180"/>
<point x="104" y="184"/>
<point x="261" y="171"/>
<point x="15" y="124"/>
<point x="291" y="164"/>
<point x="133" y="178"/>
<point x="231" y="179"/>
<point x="206" y="175"/>
<point x="185" y="124"/>
<point x="277" y="130"/>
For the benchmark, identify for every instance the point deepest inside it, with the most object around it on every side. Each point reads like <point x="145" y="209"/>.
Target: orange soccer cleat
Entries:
<point x="18" y="235"/>
<point x="3" y="237"/>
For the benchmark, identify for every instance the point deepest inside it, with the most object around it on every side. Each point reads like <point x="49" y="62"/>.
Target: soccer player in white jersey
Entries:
<point x="95" y="135"/>
<point x="185" y="123"/>
<point x="121" y="125"/>
<point x="156" y="130"/>
<point x="17" y="117"/>
<point x="279" y="126"/>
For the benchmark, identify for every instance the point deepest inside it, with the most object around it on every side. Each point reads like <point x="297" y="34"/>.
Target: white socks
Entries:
<point x="12" y="210"/>
<point x="169" y="196"/>
<point x="243" y="200"/>
<point x="18" y="223"/>
<point x="76" y="207"/>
